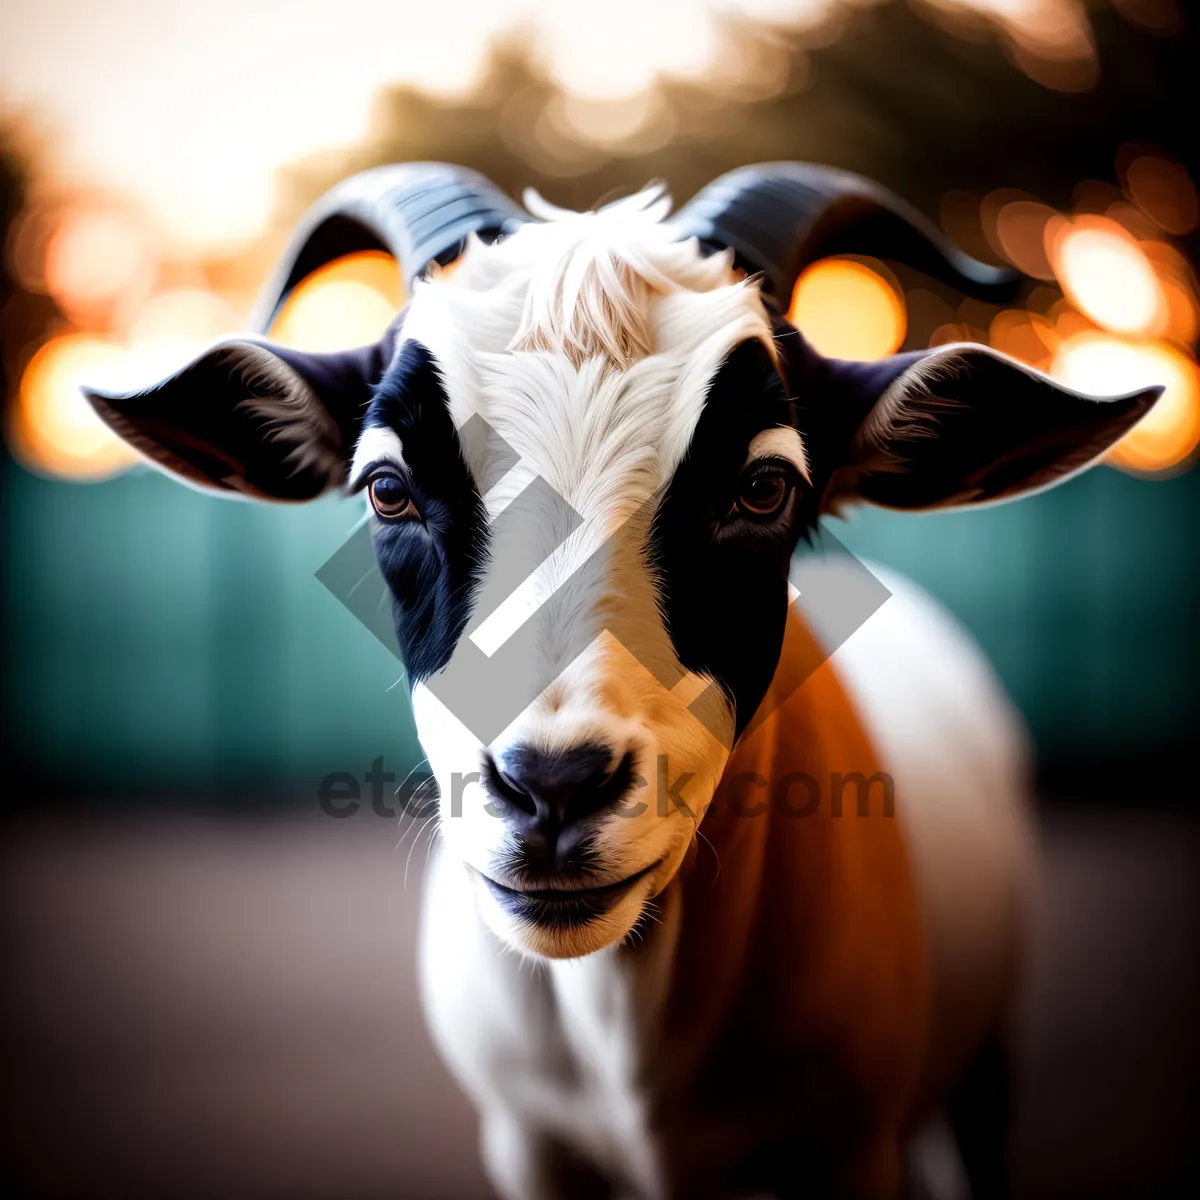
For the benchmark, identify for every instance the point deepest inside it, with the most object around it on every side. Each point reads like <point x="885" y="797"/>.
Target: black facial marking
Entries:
<point x="432" y="564"/>
<point x="552" y="801"/>
<point x="830" y="405"/>
<point x="723" y="576"/>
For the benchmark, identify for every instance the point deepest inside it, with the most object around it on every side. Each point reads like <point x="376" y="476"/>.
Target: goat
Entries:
<point x="658" y="438"/>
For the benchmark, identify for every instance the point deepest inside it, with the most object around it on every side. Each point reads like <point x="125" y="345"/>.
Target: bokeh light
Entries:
<point x="184" y="316"/>
<point x="94" y="261"/>
<point x="1164" y="192"/>
<point x="172" y="329"/>
<point x="1125" y="313"/>
<point x="1107" y="267"/>
<point x="848" y="310"/>
<point x="1050" y="40"/>
<point x="1025" y="336"/>
<point x="1019" y="232"/>
<point x="247" y="114"/>
<point x="1182" y="322"/>
<point x="1102" y="365"/>
<point x="52" y="428"/>
<point x="1106" y="274"/>
<point x="25" y="245"/>
<point x="1163" y="18"/>
<point x="345" y="304"/>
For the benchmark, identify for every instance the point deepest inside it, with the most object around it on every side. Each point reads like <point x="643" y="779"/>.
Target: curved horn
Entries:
<point x="417" y="212"/>
<point x="779" y="217"/>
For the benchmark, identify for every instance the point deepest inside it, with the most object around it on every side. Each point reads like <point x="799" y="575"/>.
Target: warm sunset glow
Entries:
<point x="348" y="303"/>
<point x="1164" y="192"/>
<point x="1182" y="322"/>
<point x="94" y="261"/>
<point x="175" y="326"/>
<point x="52" y="428"/>
<point x="1020" y="232"/>
<point x="1025" y="336"/>
<point x="171" y="330"/>
<point x="199" y="137"/>
<point x="1050" y="40"/>
<point x="847" y="310"/>
<point x="1103" y="365"/>
<point x="1106" y="274"/>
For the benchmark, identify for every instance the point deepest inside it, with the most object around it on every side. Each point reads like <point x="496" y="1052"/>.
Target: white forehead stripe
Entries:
<point x="780" y="442"/>
<point x="377" y="443"/>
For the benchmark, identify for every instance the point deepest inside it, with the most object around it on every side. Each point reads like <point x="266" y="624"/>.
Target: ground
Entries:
<point x="198" y="1006"/>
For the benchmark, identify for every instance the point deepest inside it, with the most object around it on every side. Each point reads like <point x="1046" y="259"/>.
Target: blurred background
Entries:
<point x="209" y="983"/>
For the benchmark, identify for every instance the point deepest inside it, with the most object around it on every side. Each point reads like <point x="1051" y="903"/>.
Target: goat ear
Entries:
<point x="250" y="419"/>
<point x="964" y="425"/>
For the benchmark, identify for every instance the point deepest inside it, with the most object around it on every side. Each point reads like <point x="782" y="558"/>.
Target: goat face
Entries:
<point x="628" y="568"/>
<point x="587" y="454"/>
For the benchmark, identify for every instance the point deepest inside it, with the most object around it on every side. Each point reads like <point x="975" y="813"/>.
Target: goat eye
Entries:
<point x="763" y="494"/>
<point x="390" y="498"/>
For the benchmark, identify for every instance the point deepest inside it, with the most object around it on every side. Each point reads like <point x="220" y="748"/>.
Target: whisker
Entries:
<point x="411" y="848"/>
<point x="409" y="775"/>
<point x="416" y="807"/>
<point x="413" y="816"/>
<point x="437" y="828"/>
<point x="425" y="793"/>
<point x="412" y="824"/>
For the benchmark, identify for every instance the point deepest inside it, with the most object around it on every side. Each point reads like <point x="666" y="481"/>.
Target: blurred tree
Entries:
<point x="894" y="97"/>
<point x="13" y="184"/>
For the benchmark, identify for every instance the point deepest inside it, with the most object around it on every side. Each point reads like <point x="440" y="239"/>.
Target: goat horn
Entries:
<point x="417" y="212"/>
<point x="779" y="217"/>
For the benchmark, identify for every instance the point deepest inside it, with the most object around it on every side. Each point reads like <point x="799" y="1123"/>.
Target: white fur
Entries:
<point x="780" y="442"/>
<point x="958" y="752"/>
<point x="376" y="444"/>
<point x="558" y="1048"/>
<point x="588" y="343"/>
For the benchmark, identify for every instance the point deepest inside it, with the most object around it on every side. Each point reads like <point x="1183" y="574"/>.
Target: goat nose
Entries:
<point x="550" y="790"/>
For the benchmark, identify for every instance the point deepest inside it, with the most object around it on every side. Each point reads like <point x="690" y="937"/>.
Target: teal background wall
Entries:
<point x="159" y="641"/>
<point x="1085" y="599"/>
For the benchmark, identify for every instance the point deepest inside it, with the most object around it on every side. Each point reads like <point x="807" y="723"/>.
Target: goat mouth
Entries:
<point x="559" y="908"/>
